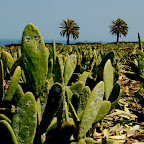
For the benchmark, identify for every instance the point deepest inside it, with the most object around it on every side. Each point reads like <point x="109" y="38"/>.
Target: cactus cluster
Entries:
<point x="47" y="94"/>
<point x="137" y="65"/>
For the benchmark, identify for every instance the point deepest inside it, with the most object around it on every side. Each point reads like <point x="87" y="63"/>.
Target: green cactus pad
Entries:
<point x="7" y="135"/>
<point x="18" y="94"/>
<point x="66" y="112"/>
<point x="89" y="140"/>
<point x="50" y="83"/>
<point x="69" y="67"/>
<point x="114" y="103"/>
<point x="53" y="103"/>
<point x="91" y="109"/>
<point x="7" y="60"/>
<point x="141" y="62"/>
<point x="83" y="97"/>
<point x="66" y="131"/>
<point x="74" y="114"/>
<point x="59" y="72"/>
<point x="115" y="93"/>
<point x="139" y="41"/>
<point x="104" y="110"/>
<point x="81" y="141"/>
<point x="77" y="87"/>
<point x="83" y="77"/>
<point x="54" y="57"/>
<point x="53" y="125"/>
<point x="134" y="66"/>
<point x="24" y="121"/>
<point x="1" y="81"/>
<point x="75" y="101"/>
<point x="68" y="94"/>
<point x="44" y="96"/>
<point x="50" y="69"/>
<point x="13" y="84"/>
<point x="3" y="117"/>
<point x="39" y="115"/>
<point x="108" y="78"/>
<point x="35" y="58"/>
<point x="110" y="56"/>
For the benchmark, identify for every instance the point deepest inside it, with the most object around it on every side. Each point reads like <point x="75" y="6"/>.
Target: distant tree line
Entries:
<point x="70" y="28"/>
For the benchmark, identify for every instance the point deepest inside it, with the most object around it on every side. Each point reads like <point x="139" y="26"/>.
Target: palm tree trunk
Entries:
<point x="68" y="39"/>
<point x="118" y="37"/>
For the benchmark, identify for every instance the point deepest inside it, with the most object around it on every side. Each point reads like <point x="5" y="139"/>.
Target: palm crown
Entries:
<point x="118" y="27"/>
<point x="69" y="27"/>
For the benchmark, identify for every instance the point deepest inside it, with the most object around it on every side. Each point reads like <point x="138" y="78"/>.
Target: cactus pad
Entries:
<point x="13" y="84"/>
<point x="53" y="103"/>
<point x="83" y="77"/>
<point x="25" y="119"/>
<point x="77" y="87"/>
<point x="91" y="109"/>
<point x="108" y="78"/>
<point x="104" y="110"/>
<point x="18" y="94"/>
<point x="35" y="58"/>
<point x="3" y="117"/>
<point x="7" y="135"/>
<point x="1" y="81"/>
<point x="69" y="67"/>
<point x="7" y="60"/>
<point x="141" y="62"/>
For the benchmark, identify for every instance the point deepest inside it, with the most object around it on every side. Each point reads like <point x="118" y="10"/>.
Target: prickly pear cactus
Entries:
<point x="7" y="135"/>
<point x="69" y="67"/>
<point x="50" y="69"/>
<point x="25" y="119"/>
<point x="115" y="92"/>
<point x="53" y="104"/>
<point x="141" y="62"/>
<point x="59" y="72"/>
<point x="83" y="99"/>
<point x="104" y="110"/>
<point x="140" y="57"/>
<point x="108" y="78"/>
<point x="74" y="114"/>
<point x="3" y="117"/>
<point x="89" y="140"/>
<point x="54" y="57"/>
<point x="114" y="103"/>
<point x="1" y="81"/>
<point x="91" y="109"/>
<point x="77" y="87"/>
<point x="13" y="84"/>
<point x="7" y="60"/>
<point x="110" y="56"/>
<point x="139" y="41"/>
<point x="17" y="95"/>
<point x="81" y="141"/>
<point x="68" y="94"/>
<point x="83" y="77"/>
<point x="35" y="58"/>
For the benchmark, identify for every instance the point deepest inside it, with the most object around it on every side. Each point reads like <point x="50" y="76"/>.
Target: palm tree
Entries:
<point x="69" y="28"/>
<point x="118" y="27"/>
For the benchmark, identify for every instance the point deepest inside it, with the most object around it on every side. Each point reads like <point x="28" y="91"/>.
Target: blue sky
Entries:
<point x="93" y="17"/>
